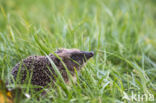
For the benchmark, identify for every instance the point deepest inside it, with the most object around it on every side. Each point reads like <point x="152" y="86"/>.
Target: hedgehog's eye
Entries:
<point x="74" y="57"/>
<point x="57" y="61"/>
<point x="58" y="51"/>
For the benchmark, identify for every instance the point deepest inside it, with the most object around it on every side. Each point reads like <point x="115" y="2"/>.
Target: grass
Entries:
<point x="121" y="32"/>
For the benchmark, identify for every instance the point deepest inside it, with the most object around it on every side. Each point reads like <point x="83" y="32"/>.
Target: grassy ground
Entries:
<point x="122" y="33"/>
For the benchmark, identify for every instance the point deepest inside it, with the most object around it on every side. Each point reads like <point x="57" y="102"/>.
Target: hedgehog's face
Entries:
<point x="74" y="57"/>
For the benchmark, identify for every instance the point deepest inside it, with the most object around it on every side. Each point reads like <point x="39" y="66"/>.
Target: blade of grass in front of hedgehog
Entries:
<point x="18" y="75"/>
<point x="29" y="79"/>
<point x="60" y="78"/>
<point x="66" y="69"/>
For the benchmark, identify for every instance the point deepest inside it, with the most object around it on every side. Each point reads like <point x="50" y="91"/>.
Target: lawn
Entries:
<point x="122" y="33"/>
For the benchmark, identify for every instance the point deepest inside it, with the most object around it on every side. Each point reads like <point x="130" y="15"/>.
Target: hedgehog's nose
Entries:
<point x="88" y="54"/>
<point x="91" y="54"/>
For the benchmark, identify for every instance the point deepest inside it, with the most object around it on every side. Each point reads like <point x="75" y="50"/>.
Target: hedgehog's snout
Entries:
<point x="88" y="55"/>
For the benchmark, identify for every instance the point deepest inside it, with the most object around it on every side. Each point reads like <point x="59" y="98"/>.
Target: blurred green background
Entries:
<point x="121" y="32"/>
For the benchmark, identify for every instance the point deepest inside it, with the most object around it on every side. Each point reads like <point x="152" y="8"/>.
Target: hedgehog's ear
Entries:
<point x="59" y="50"/>
<point x="73" y="57"/>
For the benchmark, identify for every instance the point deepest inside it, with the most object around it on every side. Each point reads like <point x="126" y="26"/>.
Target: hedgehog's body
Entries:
<point x="40" y="70"/>
<point x="38" y="65"/>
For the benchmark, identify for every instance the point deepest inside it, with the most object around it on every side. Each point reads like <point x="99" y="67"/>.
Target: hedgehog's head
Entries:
<point x="74" y="58"/>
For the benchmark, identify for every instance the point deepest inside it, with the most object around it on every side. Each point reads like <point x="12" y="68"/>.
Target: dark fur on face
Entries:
<point x="38" y="66"/>
<point x="74" y="58"/>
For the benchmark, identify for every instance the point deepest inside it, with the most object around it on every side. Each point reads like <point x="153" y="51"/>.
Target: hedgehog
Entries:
<point x="41" y="70"/>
